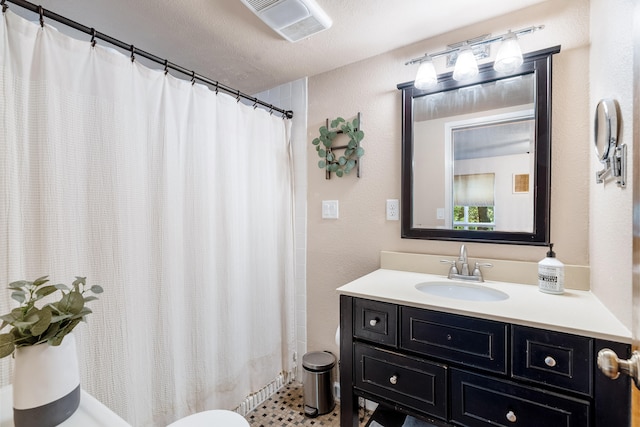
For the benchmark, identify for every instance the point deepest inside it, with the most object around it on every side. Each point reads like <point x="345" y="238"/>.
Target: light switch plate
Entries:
<point x="329" y="209"/>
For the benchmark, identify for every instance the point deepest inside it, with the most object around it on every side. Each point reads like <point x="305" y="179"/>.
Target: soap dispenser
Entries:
<point x="551" y="274"/>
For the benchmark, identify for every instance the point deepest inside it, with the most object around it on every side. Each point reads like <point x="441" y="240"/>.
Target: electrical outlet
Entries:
<point x="393" y="210"/>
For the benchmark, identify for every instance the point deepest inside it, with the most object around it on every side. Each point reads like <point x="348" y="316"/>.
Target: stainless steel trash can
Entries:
<point x="317" y="382"/>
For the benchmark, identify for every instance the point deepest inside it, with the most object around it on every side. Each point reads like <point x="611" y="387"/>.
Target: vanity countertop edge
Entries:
<point x="576" y="311"/>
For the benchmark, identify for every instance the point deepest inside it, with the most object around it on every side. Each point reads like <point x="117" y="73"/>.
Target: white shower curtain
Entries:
<point x="176" y="200"/>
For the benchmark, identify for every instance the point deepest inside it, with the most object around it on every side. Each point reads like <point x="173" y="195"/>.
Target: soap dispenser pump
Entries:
<point x="551" y="273"/>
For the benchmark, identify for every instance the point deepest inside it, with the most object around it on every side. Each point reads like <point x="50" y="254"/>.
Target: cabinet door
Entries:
<point x="375" y="321"/>
<point x="553" y="358"/>
<point x="458" y="339"/>
<point x="415" y="383"/>
<point x="478" y="401"/>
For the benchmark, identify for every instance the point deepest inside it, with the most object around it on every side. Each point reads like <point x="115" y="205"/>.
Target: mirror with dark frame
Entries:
<point x="476" y="156"/>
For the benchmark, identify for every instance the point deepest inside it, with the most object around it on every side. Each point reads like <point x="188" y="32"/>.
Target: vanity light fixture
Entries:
<point x="508" y="59"/>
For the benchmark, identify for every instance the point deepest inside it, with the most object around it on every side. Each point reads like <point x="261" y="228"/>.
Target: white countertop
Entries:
<point x="576" y="312"/>
<point x="90" y="413"/>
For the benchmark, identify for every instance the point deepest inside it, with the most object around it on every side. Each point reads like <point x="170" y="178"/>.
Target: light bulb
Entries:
<point x="426" y="77"/>
<point x="509" y="56"/>
<point x="466" y="65"/>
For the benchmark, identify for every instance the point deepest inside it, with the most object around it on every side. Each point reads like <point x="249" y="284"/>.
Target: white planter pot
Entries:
<point x="46" y="384"/>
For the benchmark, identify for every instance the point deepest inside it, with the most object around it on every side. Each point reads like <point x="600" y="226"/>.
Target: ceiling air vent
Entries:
<point x="292" y="19"/>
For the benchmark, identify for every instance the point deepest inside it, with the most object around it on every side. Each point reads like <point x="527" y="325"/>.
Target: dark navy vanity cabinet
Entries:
<point x="454" y="370"/>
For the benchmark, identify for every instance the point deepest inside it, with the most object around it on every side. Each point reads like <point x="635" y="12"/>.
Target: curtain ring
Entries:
<point x="93" y="37"/>
<point x="255" y="103"/>
<point x="270" y="109"/>
<point x="217" y="83"/>
<point x="193" y="78"/>
<point x="4" y="6"/>
<point x="133" y="53"/>
<point x="238" y="97"/>
<point x="41" y="13"/>
<point x="166" y="66"/>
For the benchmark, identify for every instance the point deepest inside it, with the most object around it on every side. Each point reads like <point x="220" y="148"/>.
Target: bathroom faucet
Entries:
<point x="464" y="263"/>
<point x="463" y="273"/>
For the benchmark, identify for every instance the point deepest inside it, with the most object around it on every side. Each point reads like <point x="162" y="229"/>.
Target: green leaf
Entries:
<point x="360" y="152"/>
<point x="330" y="157"/>
<point x="356" y="122"/>
<point x="322" y="164"/>
<point x="6" y="345"/>
<point x="40" y="281"/>
<point x="359" y="135"/>
<point x="315" y="141"/>
<point x="79" y="281"/>
<point x="62" y="287"/>
<point x="339" y="173"/>
<point x="322" y="152"/>
<point x="43" y="322"/>
<point x="323" y="130"/>
<point x="96" y="289"/>
<point x="90" y="298"/>
<point x="342" y="160"/>
<point x="20" y="284"/>
<point x="19" y="296"/>
<point x="351" y="164"/>
<point x="43" y="292"/>
<point x="52" y="331"/>
<point x="336" y="122"/>
<point x="71" y="303"/>
<point x="352" y="144"/>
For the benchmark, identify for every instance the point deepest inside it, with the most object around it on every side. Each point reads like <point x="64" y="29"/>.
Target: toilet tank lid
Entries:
<point x="318" y="361"/>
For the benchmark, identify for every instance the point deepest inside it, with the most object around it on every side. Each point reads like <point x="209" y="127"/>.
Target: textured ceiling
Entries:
<point x="225" y="41"/>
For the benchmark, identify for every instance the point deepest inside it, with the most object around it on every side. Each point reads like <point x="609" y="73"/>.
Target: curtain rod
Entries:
<point x="135" y="51"/>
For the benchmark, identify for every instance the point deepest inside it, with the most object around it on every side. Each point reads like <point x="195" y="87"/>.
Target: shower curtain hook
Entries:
<point x="255" y="103"/>
<point x="166" y="66"/>
<point x="217" y="83"/>
<point x="133" y="53"/>
<point x="41" y="13"/>
<point x="93" y="37"/>
<point x="193" y="78"/>
<point x="238" y="96"/>
<point x="4" y="6"/>
<point x="270" y="110"/>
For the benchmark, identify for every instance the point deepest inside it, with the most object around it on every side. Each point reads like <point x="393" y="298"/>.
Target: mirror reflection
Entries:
<point x="476" y="156"/>
<point x="474" y="152"/>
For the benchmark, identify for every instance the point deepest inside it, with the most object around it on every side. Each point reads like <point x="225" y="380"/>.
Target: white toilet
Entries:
<point x="213" y="418"/>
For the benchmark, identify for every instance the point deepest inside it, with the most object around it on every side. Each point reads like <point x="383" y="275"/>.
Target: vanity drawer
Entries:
<point x="376" y="321"/>
<point x="477" y="400"/>
<point x="553" y="358"/>
<point x="415" y="383"/>
<point x="459" y="339"/>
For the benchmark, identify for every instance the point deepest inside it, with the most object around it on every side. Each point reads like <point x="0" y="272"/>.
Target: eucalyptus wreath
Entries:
<point x="324" y="146"/>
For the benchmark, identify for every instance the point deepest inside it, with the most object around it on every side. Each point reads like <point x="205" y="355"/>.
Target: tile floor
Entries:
<point x="286" y="409"/>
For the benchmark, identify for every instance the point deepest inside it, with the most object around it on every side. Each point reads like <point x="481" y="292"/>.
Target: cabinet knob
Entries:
<point x="394" y="380"/>
<point x="550" y="361"/>
<point x="373" y="322"/>
<point x="511" y="417"/>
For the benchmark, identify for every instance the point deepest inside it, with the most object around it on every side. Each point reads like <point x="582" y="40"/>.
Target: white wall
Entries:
<point x="610" y="208"/>
<point x="342" y="250"/>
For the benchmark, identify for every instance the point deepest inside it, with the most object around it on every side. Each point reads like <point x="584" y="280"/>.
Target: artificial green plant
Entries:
<point x="31" y="325"/>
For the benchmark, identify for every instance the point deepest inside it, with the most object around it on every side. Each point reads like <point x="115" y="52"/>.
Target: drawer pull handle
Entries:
<point x="511" y="417"/>
<point x="394" y="380"/>
<point x="373" y="322"/>
<point x="550" y="361"/>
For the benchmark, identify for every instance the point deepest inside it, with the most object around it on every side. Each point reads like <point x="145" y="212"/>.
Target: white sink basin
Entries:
<point x="463" y="291"/>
